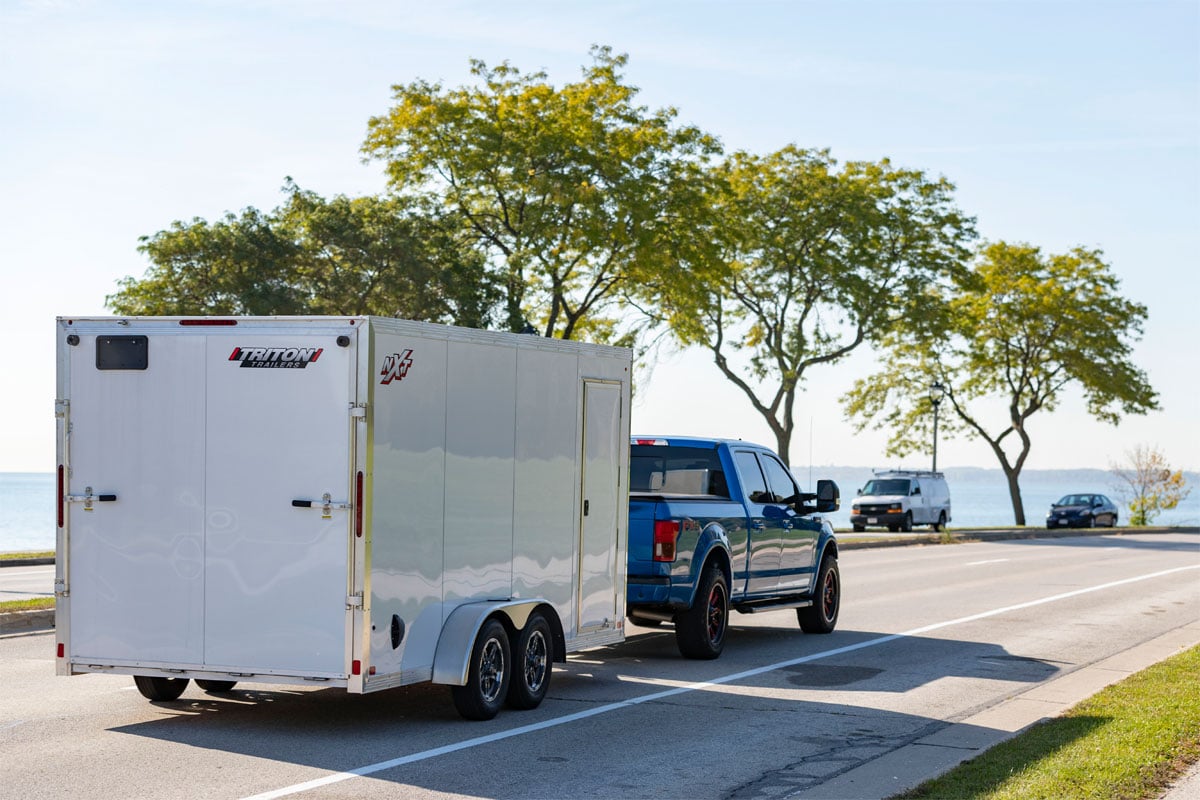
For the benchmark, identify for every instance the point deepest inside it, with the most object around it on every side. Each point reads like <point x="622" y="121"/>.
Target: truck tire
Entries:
<point x="215" y="687"/>
<point x="532" y="664"/>
<point x="700" y="630"/>
<point x="489" y="675"/>
<point x="906" y="526"/>
<point x="160" y="689"/>
<point x="822" y="615"/>
<point x="941" y="523"/>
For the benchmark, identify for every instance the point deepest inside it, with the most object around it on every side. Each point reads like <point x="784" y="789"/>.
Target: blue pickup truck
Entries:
<point x="716" y="524"/>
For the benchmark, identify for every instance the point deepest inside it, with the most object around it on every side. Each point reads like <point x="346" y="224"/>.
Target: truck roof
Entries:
<point x="691" y="441"/>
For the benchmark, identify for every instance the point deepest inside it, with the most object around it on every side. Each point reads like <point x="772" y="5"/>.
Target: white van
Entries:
<point x="898" y="499"/>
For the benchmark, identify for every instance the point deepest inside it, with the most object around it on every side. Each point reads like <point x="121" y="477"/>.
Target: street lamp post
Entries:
<point x="936" y="393"/>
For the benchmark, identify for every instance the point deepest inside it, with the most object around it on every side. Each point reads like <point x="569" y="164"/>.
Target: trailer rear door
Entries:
<point x="202" y="559"/>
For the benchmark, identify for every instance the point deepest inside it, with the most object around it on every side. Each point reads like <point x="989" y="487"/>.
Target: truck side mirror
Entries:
<point x="828" y="496"/>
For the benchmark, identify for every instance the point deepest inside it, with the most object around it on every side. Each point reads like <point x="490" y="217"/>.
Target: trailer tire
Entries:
<point x="700" y="630"/>
<point x="532" y="664"/>
<point x="215" y="687"/>
<point x="822" y="615"/>
<point x="489" y="675"/>
<point x="160" y="689"/>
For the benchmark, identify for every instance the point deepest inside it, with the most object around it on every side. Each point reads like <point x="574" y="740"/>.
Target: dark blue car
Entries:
<point x="1082" y="511"/>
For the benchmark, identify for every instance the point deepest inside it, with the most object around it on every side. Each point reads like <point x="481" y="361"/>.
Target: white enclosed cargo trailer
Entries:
<point x="361" y="502"/>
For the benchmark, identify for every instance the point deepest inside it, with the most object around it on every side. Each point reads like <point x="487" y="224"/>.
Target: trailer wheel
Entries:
<point x="531" y="664"/>
<point x="215" y="687"/>
<point x="822" y="615"/>
<point x="160" y="688"/>
<point x="488" y="678"/>
<point x="700" y="630"/>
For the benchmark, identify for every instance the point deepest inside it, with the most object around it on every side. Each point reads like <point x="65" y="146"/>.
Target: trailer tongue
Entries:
<point x="360" y="502"/>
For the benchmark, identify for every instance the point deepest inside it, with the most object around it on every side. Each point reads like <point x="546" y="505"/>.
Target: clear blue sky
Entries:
<point x="1062" y="124"/>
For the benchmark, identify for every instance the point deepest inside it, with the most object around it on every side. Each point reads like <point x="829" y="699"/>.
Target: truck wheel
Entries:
<point x="488" y="677"/>
<point x="941" y="523"/>
<point x="531" y="664"/>
<point x="700" y="630"/>
<point x="215" y="687"/>
<point x="822" y="615"/>
<point x="906" y="526"/>
<point x="160" y="688"/>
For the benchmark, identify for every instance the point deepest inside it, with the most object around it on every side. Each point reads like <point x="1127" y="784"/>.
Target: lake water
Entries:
<point x="979" y="497"/>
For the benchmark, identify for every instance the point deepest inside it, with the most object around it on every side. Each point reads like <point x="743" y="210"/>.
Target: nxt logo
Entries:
<point x="395" y="367"/>
<point x="275" y="357"/>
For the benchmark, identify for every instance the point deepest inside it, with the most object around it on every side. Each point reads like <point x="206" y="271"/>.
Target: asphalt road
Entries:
<point x="937" y="651"/>
<point x="24" y="583"/>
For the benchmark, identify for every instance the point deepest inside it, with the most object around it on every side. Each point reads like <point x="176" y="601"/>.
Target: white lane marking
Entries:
<point x="987" y="561"/>
<point x="478" y="741"/>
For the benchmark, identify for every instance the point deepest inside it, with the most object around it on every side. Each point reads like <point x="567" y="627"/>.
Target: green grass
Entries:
<point x="33" y="604"/>
<point x="1125" y="743"/>
<point x="39" y="554"/>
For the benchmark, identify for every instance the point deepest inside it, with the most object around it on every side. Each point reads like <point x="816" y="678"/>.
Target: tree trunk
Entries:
<point x="783" y="443"/>
<point x="1014" y="493"/>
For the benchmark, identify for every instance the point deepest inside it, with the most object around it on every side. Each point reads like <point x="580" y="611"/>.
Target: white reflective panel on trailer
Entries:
<point x="276" y="574"/>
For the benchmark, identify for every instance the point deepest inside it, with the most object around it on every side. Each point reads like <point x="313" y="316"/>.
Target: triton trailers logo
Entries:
<point x="395" y="367"/>
<point x="275" y="357"/>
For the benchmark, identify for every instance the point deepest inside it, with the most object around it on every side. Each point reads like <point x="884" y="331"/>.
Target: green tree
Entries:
<point x="1012" y="336"/>
<point x="343" y="256"/>
<point x="1148" y="485"/>
<point x="788" y="262"/>
<point x="563" y="188"/>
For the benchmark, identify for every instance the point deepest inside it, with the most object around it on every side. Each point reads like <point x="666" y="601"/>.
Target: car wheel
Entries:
<point x="160" y="689"/>
<point x="532" y="664"/>
<point x="700" y="630"/>
<point x="907" y="524"/>
<point x="822" y="615"/>
<point x="1091" y="523"/>
<point x="941" y="522"/>
<point x="488" y="678"/>
<point x="1114" y="522"/>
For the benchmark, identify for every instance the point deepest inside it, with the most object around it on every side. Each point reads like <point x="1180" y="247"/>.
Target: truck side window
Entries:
<point x="753" y="483"/>
<point x="783" y="488"/>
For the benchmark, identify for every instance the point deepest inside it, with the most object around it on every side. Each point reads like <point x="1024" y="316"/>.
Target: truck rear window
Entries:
<point x="658" y="469"/>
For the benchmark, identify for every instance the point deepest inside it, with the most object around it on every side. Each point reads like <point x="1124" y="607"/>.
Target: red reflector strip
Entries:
<point x="208" y="322"/>
<point x="358" y="504"/>
<point x="61" y="495"/>
<point x="62" y="650"/>
<point x="356" y="667"/>
<point x="665" y="533"/>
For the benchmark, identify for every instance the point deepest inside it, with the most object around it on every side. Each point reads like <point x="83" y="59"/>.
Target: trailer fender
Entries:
<point x="452" y="658"/>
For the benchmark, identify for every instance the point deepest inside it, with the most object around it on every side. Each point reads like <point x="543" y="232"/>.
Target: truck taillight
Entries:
<point x="666" y="531"/>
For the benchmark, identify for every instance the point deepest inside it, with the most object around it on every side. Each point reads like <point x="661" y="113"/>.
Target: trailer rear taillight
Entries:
<point x="61" y="495"/>
<point x="62" y="650"/>
<point x="358" y="504"/>
<point x="208" y="322"/>
<point x="356" y="667"/>
<point x="666" y="531"/>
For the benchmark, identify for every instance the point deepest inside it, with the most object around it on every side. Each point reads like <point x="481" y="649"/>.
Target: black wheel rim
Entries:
<point x="535" y="661"/>
<point x="491" y="670"/>
<point x="829" y="598"/>
<point x="716" y="614"/>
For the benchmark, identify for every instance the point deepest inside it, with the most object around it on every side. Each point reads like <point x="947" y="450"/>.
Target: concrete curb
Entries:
<point x="26" y="621"/>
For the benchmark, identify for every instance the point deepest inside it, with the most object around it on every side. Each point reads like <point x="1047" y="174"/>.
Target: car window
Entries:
<point x="886" y="486"/>
<point x="752" y="478"/>
<point x="783" y="488"/>
<point x="676" y="470"/>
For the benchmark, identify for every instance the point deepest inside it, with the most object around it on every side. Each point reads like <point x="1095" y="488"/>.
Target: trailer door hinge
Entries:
<point x="353" y="601"/>
<point x="359" y="411"/>
<point x="60" y="589"/>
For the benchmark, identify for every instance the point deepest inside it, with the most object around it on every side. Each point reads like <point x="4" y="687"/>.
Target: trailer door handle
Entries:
<point x="87" y="498"/>
<point x="586" y="505"/>
<point x="325" y="504"/>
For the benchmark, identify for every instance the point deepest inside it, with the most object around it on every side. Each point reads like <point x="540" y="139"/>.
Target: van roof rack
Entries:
<point x="908" y="473"/>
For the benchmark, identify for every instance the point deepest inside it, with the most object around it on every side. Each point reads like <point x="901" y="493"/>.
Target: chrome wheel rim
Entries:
<point x="536" y="653"/>
<point x="491" y="670"/>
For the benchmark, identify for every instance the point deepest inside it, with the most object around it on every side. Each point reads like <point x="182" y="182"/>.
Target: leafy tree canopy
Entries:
<point x="1148" y="485"/>
<point x="562" y="188"/>
<point x="347" y="256"/>
<point x="794" y="261"/>
<point x="1020" y="328"/>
